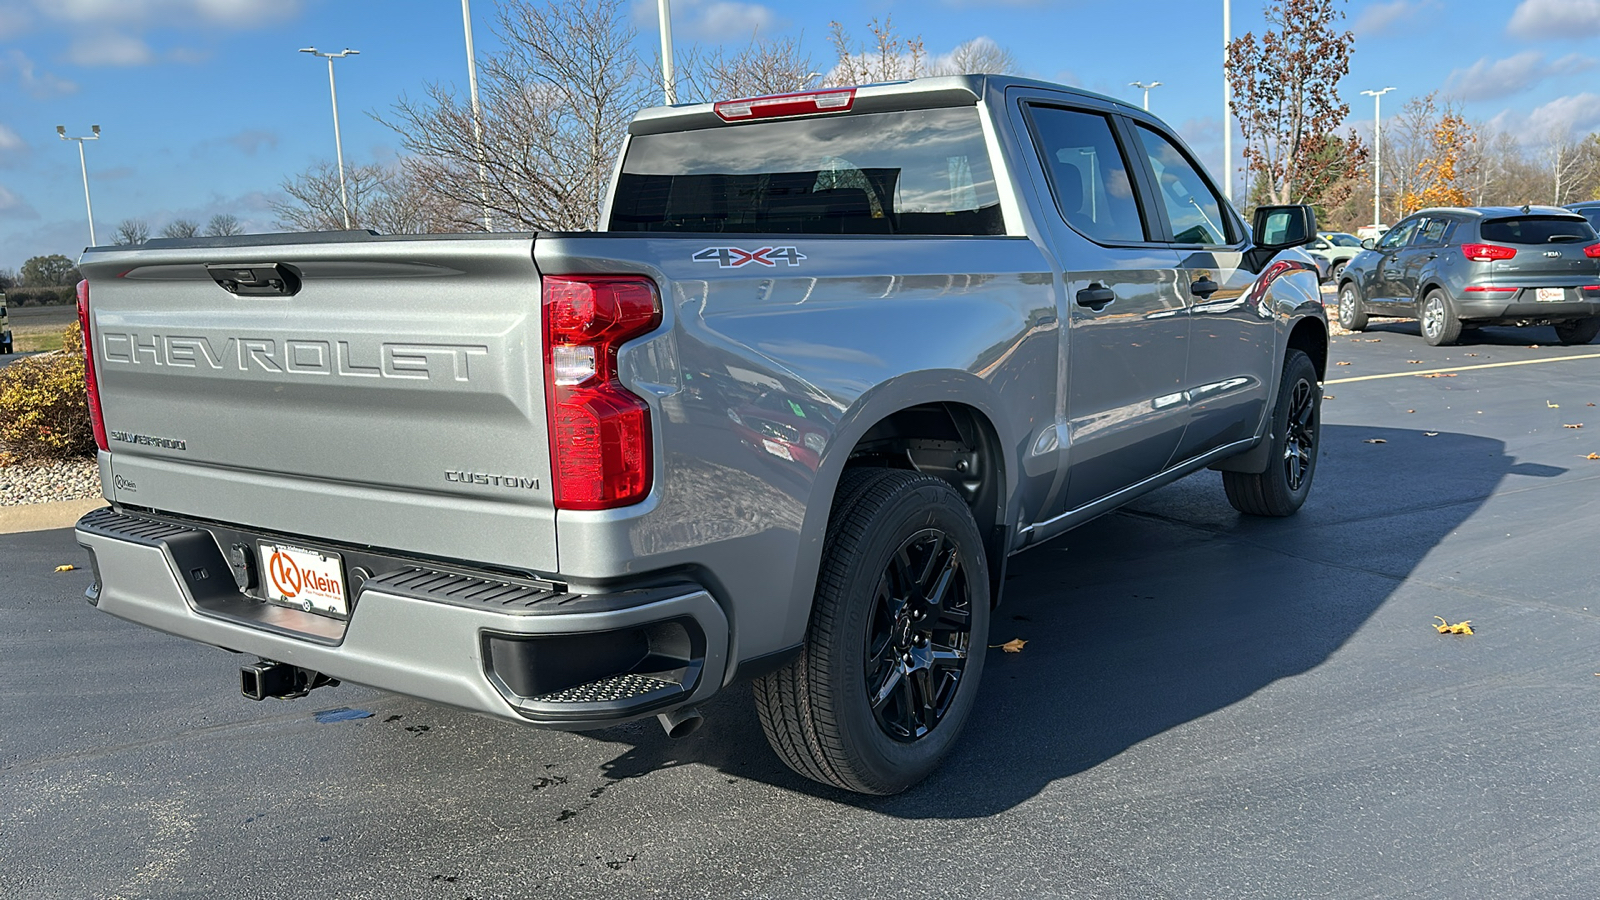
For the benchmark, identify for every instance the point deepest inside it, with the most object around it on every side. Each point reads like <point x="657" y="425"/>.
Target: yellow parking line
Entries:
<point x="1520" y="362"/>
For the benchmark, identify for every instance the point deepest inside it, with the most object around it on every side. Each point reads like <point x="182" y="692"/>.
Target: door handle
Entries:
<point x="1096" y="297"/>
<point x="1203" y="288"/>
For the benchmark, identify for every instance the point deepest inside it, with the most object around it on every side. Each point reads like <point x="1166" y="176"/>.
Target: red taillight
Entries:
<point x="1485" y="288"/>
<point x="1592" y="251"/>
<point x="96" y="418"/>
<point x="1486" y="252"/>
<point x="599" y="431"/>
<point x="779" y="106"/>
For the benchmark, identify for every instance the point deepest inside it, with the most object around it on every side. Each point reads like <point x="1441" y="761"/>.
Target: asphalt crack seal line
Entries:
<point x="1520" y="362"/>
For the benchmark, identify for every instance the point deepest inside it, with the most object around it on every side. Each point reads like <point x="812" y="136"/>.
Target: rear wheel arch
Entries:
<point x="1310" y="337"/>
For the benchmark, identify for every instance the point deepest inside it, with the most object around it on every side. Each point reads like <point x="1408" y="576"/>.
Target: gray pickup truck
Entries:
<point x="834" y="358"/>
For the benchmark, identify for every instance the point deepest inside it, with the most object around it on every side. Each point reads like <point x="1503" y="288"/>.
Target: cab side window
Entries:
<point x="1192" y="206"/>
<point x="1088" y="174"/>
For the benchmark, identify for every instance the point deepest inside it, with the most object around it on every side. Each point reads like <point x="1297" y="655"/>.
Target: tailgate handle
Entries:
<point x="256" y="279"/>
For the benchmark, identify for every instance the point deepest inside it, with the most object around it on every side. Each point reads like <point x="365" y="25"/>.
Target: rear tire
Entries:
<point x="1338" y="270"/>
<point x="1352" y="313"/>
<point x="1440" y="327"/>
<point x="1577" y="331"/>
<point x="895" y="648"/>
<point x="1296" y="424"/>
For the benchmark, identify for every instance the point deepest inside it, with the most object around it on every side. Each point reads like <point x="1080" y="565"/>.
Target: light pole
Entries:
<point x="1227" y="103"/>
<point x="338" y="145"/>
<point x="61" y="130"/>
<point x="1377" y="151"/>
<point x="477" y="112"/>
<point x="669" y="86"/>
<point x="1146" y="88"/>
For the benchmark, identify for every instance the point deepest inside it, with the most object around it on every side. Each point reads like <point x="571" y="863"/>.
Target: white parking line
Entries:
<point x="1522" y="362"/>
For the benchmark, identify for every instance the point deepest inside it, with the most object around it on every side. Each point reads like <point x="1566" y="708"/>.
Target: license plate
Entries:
<point x="311" y="580"/>
<point x="1551" y="295"/>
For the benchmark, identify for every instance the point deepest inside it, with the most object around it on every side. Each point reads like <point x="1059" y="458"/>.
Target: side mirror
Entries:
<point x="1369" y="244"/>
<point x="1282" y="227"/>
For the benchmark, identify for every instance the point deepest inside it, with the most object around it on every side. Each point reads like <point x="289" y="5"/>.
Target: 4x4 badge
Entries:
<point x="734" y="257"/>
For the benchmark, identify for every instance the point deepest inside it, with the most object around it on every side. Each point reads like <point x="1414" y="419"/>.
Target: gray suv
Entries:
<point x="1457" y="269"/>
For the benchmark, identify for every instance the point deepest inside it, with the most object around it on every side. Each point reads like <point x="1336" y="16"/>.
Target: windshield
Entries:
<point x="1340" y="239"/>
<point x="1536" y="230"/>
<point x="922" y="172"/>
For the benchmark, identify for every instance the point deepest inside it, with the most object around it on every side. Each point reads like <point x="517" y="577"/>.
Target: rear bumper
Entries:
<point x="479" y="642"/>
<point x="1521" y="305"/>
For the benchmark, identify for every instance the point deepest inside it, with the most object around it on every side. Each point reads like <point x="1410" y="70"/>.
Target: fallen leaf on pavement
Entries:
<point x="1576" y="425"/>
<point x="1430" y="434"/>
<point x="1341" y="364"/>
<point x="65" y="568"/>
<point x="1459" y="628"/>
<point x="1589" y="404"/>
<point x="1472" y="354"/>
<point x="1374" y="340"/>
<point x="1374" y="441"/>
<point x="1440" y="375"/>
<point x="1414" y="362"/>
<point x="1410" y="410"/>
<point x="1593" y="456"/>
<point x="1552" y="405"/>
<point x="1014" y="645"/>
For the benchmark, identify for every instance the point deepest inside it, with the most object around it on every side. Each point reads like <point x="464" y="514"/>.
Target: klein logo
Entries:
<point x="734" y="257"/>
<point x="286" y="576"/>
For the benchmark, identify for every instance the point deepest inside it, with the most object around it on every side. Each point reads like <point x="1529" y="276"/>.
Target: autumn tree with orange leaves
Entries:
<point x="1286" y="98"/>
<point x="1442" y="174"/>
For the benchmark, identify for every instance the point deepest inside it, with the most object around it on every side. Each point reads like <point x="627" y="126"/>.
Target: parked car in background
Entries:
<point x="6" y="345"/>
<point x="1372" y="231"/>
<point x="1589" y="209"/>
<point x="1456" y="269"/>
<point x="1337" y="248"/>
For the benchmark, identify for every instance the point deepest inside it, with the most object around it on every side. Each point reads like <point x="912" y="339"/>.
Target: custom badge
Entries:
<point x="734" y="257"/>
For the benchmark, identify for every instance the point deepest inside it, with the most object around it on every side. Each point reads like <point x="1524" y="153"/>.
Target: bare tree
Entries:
<point x="556" y="104"/>
<point x="1570" y="163"/>
<point x="223" y="224"/>
<point x="390" y="200"/>
<point x="131" y="231"/>
<point x="763" y="66"/>
<point x="889" y="57"/>
<point x="1285" y="89"/>
<point x="181" y="228"/>
<point x="979" y="56"/>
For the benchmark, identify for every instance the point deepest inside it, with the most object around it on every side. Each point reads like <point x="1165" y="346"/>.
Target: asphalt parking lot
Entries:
<point x="1207" y="706"/>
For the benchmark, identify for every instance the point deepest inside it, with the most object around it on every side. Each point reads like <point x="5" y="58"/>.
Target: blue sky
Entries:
<point x="205" y="105"/>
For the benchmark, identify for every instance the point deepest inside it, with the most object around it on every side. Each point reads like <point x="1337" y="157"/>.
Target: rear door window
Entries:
<point x="1088" y="174"/>
<point x="919" y="172"/>
<point x="1432" y="232"/>
<point x="1536" y="230"/>
<point x="1193" y="208"/>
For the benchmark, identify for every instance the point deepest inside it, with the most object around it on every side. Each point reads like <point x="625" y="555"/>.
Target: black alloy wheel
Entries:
<point x="918" y="636"/>
<point x="894" y="649"/>
<point x="1282" y="488"/>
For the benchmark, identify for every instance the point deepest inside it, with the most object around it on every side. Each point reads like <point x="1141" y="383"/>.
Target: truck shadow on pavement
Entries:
<point x="1166" y="611"/>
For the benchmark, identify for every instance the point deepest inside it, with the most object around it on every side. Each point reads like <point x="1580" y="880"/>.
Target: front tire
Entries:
<point x="1440" y="327"/>
<point x="895" y="648"/>
<point x="1577" y="331"/>
<point x="1352" y="313"/>
<point x="1296" y="424"/>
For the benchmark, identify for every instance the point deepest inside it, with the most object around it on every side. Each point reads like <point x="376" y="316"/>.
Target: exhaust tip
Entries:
<point x="681" y="722"/>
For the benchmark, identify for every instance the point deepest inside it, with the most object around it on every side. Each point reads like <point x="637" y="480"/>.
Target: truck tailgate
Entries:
<point x="395" y="400"/>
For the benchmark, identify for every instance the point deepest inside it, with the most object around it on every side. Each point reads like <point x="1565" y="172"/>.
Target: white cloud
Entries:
<point x="716" y="21"/>
<point x="1560" y="118"/>
<point x="10" y="141"/>
<point x="237" y="13"/>
<point x="36" y="84"/>
<point x="1485" y="80"/>
<point x="1535" y="19"/>
<point x="1379" y="18"/>
<point x="110" y="49"/>
<point x="15" y="207"/>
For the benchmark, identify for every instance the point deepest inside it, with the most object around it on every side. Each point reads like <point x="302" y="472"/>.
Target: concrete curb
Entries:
<point x="44" y="516"/>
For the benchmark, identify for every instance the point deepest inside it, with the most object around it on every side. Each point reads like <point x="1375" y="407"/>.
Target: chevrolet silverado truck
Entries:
<point x="833" y="358"/>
